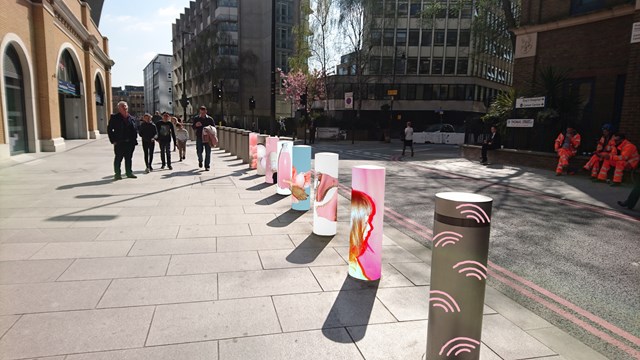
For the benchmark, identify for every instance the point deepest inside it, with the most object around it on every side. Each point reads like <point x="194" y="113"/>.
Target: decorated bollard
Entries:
<point x="301" y="178"/>
<point x="285" y="167"/>
<point x="325" y="206"/>
<point x="460" y="247"/>
<point x="271" y="164"/>
<point x="253" y="150"/>
<point x="367" y="213"/>
<point x="261" y="154"/>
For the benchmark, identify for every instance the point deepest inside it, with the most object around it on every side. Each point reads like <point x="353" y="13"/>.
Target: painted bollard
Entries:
<point x="285" y="167"/>
<point x="367" y="213"/>
<point x="460" y="247"/>
<point x="253" y="150"/>
<point x="271" y="164"/>
<point x="301" y="178"/>
<point x="261" y="153"/>
<point x="325" y="206"/>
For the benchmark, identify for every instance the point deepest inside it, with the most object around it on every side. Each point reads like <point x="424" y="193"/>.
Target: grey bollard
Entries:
<point x="232" y="141"/>
<point x="221" y="142"/>
<point x="460" y="247"/>
<point x="244" y="146"/>
<point x="238" y="136"/>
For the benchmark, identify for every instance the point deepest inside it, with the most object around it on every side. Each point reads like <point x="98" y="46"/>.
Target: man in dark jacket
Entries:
<point x="166" y="132"/>
<point x="491" y="144"/>
<point x="149" y="133"/>
<point x="199" y="122"/>
<point x="123" y="134"/>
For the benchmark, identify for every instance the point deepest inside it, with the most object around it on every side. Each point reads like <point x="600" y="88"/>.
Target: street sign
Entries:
<point x="534" y="102"/>
<point x="520" y="123"/>
<point x="348" y="100"/>
<point x="392" y="92"/>
<point x="635" y="33"/>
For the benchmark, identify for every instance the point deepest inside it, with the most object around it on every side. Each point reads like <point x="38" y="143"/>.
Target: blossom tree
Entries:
<point x="297" y="82"/>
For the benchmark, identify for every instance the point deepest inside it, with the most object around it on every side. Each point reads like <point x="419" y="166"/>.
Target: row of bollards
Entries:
<point x="460" y="242"/>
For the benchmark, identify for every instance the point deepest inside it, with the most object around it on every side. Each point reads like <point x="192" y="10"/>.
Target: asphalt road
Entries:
<point x="570" y="263"/>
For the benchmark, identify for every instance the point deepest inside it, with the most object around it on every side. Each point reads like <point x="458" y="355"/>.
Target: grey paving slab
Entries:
<point x="31" y="271"/>
<point x="212" y="320"/>
<point x="266" y="282"/>
<point x="330" y="309"/>
<point x="119" y="221"/>
<point x="500" y="334"/>
<point x="390" y="254"/>
<point x="134" y="201"/>
<point x="19" y="251"/>
<point x="223" y="219"/>
<point x="212" y="210"/>
<point x="173" y="246"/>
<point x="56" y="296"/>
<point x="194" y="231"/>
<point x="514" y="312"/>
<point x="160" y="290"/>
<point x="299" y="257"/>
<point x="307" y="345"/>
<point x="92" y="249"/>
<point x="419" y="273"/>
<point x="202" y="219"/>
<point x="26" y="223"/>
<point x="6" y="322"/>
<point x="214" y="263"/>
<point x="152" y="211"/>
<point x="111" y="268"/>
<point x="261" y="242"/>
<point x="76" y="331"/>
<point x="139" y="233"/>
<point x="266" y="209"/>
<point x="310" y="240"/>
<point x="295" y="228"/>
<point x="51" y="235"/>
<point x="564" y="344"/>
<point x="206" y="350"/>
<point x="332" y="278"/>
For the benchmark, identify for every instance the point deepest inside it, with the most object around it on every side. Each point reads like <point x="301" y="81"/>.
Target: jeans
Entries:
<point x="123" y="150"/>
<point x="165" y="152"/>
<point x="148" y="147"/>
<point x="207" y="156"/>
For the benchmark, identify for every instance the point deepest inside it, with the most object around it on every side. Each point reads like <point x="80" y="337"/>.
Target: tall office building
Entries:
<point x="158" y="84"/>
<point x="227" y="44"/>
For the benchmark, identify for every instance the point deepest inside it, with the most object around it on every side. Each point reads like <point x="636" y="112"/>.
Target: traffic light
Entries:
<point x="219" y="93"/>
<point x="303" y="99"/>
<point x="214" y="90"/>
<point x="252" y="103"/>
<point x="184" y="101"/>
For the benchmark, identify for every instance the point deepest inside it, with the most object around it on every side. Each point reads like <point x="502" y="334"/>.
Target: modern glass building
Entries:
<point x="158" y="84"/>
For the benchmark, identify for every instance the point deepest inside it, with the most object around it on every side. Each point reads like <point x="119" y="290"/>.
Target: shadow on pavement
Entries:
<point x="285" y="218"/>
<point x="309" y="249"/>
<point x="352" y="308"/>
<point x="181" y="173"/>
<point x="271" y="199"/>
<point x="252" y="177"/>
<point x="106" y="180"/>
<point x="259" y="187"/>
<point x="97" y="196"/>
<point x="73" y="218"/>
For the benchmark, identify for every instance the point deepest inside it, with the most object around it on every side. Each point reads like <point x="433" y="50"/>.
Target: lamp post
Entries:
<point x="184" y="99"/>
<point x="393" y="92"/>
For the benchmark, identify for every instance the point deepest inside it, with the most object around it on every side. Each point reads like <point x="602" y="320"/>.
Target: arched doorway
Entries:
<point x="15" y="100"/>
<point x="100" y="105"/>
<point x="72" y="119"/>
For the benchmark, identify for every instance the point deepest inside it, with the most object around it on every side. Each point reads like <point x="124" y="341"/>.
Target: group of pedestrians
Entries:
<point x="123" y="132"/>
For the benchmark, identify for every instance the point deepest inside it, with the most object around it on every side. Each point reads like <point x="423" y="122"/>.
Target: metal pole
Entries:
<point x="393" y="85"/>
<point x="273" y="67"/>
<point x="222" y="101"/>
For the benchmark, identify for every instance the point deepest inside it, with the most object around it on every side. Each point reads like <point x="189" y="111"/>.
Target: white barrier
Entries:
<point x="438" y="138"/>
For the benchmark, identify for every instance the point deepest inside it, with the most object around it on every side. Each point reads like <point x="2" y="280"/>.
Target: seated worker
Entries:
<point x="633" y="197"/>
<point x="625" y="158"/>
<point x="491" y="144"/>
<point x="606" y="145"/>
<point x="566" y="145"/>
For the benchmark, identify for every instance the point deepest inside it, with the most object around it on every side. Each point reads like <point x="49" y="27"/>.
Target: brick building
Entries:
<point x="55" y="74"/>
<point x="133" y="95"/>
<point x="592" y="41"/>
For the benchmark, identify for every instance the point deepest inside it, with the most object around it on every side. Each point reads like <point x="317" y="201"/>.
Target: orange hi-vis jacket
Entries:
<point x="575" y="143"/>
<point x="605" y="148"/>
<point x="627" y="152"/>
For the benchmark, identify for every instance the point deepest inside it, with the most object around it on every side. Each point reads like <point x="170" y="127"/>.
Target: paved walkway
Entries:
<point x="186" y="264"/>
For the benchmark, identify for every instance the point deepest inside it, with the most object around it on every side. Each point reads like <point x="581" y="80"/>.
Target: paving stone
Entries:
<point x="173" y="246"/>
<point x="52" y="235"/>
<point x="299" y="257"/>
<point x="214" y="263"/>
<point x="390" y="254"/>
<point x="111" y="268"/>
<point x="517" y="314"/>
<point x="30" y="222"/>
<point x="295" y="228"/>
<point x="139" y="233"/>
<point x="330" y="309"/>
<point x="212" y="320"/>
<point x="152" y="211"/>
<point x="225" y="219"/>
<point x="119" y="221"/>
<point x="308" y="345"/>
<point x="245" y="243"/>
<point x="57" y="296"/>
<point x="315" y="241"/>
<point x="132" y="202"/>
<point x="332" y="278"/>
<point x="10" y="252"/>
<point x="195" y="231"/>
<point x="92" y="249"/>
<point x="160" y="290"/>
<point x="266" y="282"/>
<point x="31" y="271"/>
<point x="76" y="331"/>
<point x="212" y="210"/>
<point x="6" y="322"/>
<point x="419" y="273"/>
<point x="500" y="335"/>
<point x="564" y="344"/>
<point x="182" y="220"/>
<point x="206" y="350"/>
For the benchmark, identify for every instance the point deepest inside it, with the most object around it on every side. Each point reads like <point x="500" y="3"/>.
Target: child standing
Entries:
<point x="182" y="135"/>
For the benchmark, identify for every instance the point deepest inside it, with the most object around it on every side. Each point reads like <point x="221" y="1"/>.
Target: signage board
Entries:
<point x="348" y="100"/>
<point x="534" y="102"/>
<point x="392" y="92"/>
<point x="635" y="33"/>
<point x="519" y="123"/>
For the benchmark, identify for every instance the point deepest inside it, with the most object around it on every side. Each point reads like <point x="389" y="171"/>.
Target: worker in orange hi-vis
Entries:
<point x="626" y="157"/>
<point x="606" y="145"/>
<point x="566" y="146"/>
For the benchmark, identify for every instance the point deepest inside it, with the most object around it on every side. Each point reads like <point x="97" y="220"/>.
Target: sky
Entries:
<point x="137" y="31"/>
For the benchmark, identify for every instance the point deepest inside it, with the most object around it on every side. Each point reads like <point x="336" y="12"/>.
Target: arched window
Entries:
<point x="68" y="83"/>
<point x="14" y="92"/>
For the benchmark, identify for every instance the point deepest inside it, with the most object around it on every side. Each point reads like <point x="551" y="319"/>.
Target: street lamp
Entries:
<point x="184" y="99"/>
<point x="393" y="92"/>
<point x="441" y="112"/>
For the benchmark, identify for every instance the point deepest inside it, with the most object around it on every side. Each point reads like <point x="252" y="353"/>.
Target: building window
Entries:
<point x="403" y="8"/>
<point x="426" y="37"/>
<point x="376" y="36"/>
<point x="464" y="38"/>
<point x="437" y="67"/>
<point x="412" y="66"/>
<point x="411" y="92"/>
<point x="415" y="9"/>
<point x="438" y="39"/>
<point x="169" y="75"/>
<point x="452" y="37"/>
<point x="583" y="6"/>
<point x="449" y="66"/>
<point x="401" y="37"/>
<point x="388" y="37"/>
<point x="425" y="65"/>
<point x="414" y="37"/>
<point x="169" y="90"/>
<point x="463" y="64"/>
<point x="428" y="92"/>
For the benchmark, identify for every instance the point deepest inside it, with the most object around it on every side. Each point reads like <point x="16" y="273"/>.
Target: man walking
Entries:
<point x="491" y="144"/>
<point x="149" y="133"/>
<point x="123" y="134"/>
<point x="166" y="132"/>
<point x="408" y="138"/>
<point x="199" y="122"/>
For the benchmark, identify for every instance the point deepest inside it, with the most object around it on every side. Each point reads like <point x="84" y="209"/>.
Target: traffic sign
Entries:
<point x="392" y="92"/>
<point x="519" y="122"/>
<point x="534" y="102"/>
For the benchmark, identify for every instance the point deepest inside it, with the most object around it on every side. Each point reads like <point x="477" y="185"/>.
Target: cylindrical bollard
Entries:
<point x="222" y="138"/>
<point x="261" y="153"/>
<point x="367" y="214"/>
<point x="283" y="185"/>
<point x="238" y="152"/>
<point x="325" y="206"/>
<point x="272" y="159"/>
<point x="244" y="146"/>
<point x="301" y="178"/>
<point x="253" y="150"/>
<point x="460" y="247"/>
<point x="232" y="141"/>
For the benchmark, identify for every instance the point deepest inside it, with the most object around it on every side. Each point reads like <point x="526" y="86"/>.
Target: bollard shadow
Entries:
<point x="351" y="308"/>
<point x="74" y="218"/>
<point x="271" y="199"/>
<point x="259" y="187"/>
<point x="97" y="196"/>
<point x="181" y="173"/>
<point x="285" y="218"/>
<point x="228" y="160"/>
<point x="308" y="250"/>
<point x="106" y="180"/>
<point x="252" y="177"/>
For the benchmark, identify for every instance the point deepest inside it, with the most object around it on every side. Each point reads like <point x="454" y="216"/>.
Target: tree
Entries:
<point x="321" y="26"/>
<point x="296" y="83"/>
<point x="301" y="36"/>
